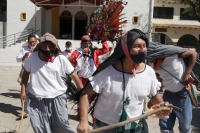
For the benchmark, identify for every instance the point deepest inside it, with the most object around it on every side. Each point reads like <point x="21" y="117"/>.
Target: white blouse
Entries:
<point x="109" y="84"/>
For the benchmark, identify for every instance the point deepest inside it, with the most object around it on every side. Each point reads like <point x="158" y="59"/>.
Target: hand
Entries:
<point x="83" y="127"/>
<point x="26" y="54"/>
<point x="164" y="114"/>
<point x="31" y="50"/>
<point x="86" y="50"/>
<point x="187" y="80"/>
<point x="23" y="95"/>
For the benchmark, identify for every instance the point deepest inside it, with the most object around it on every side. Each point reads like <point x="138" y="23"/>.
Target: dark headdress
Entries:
<point x="128" y="39"/>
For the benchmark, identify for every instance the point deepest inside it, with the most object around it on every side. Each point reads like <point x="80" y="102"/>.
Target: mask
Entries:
<point x="69" y="49"/>
<point x="138" y="58"/>
<point x="47" y="53"/>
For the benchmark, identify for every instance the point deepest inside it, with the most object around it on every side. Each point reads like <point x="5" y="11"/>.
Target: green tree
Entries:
<point x="193" y="9"/>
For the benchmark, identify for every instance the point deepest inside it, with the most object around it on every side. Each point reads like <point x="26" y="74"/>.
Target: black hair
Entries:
<point x="31" y="36"/>
<point x="68" y="43"/>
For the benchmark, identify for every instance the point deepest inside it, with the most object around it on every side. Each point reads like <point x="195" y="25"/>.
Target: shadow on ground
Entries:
<point x="14" y="90"/>
<point x="10" y="95"/>
<point x="13" y="131"/>
<point x="8" y="108"/>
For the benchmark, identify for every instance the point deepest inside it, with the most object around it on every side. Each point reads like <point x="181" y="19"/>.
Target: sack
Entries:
<point x="19" y="79"/>
<point x="191" y="90"/>
<point x="131" y="127"/>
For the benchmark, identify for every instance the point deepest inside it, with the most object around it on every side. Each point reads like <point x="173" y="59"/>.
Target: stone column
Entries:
<point x="88" y="20"/>
<point x="1" y="34"/>
<point x="73" y="26"/>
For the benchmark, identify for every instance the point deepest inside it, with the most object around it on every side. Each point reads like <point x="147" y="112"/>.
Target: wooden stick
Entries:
<point x="20" y="125"/>
<point x="132" y="120"/>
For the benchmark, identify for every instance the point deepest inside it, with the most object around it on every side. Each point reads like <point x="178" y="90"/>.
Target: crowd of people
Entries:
<point x="118" y="84"/>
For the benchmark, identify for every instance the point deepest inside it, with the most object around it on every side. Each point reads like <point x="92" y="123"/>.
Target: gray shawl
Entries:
<point x="157" y="50"/>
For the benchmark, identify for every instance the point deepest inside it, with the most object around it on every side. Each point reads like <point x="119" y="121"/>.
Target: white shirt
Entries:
<point x="175" y="66"/>
<point x="85" y="65"/>
<point x="109" y="83"/>
<point x="45" y="81"/>
<point x="22" y="52"/>
<point x="67" y="54"/>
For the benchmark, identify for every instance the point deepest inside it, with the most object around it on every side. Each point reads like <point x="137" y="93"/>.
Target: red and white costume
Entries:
<point x="86" y="66"/>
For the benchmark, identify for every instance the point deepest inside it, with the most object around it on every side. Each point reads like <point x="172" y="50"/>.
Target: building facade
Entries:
<point x="173" y="27"/>
<point x="162" y="20"/>
<point x="67" y="19"/>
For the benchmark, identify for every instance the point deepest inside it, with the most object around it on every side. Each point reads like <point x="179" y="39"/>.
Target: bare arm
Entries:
<point x="87" y="93"/>
<point x="76" y="79"/>
<point x="192" y="55"/>
<point x="25" y="78"/>
<point x="157" y="99"/>
<point x="102" y="50"/>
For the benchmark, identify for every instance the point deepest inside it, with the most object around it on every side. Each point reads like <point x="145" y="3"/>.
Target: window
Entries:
<point x="163" y="12"/>
<point x="186" y="16"/>
<point x="3" y="10"/>
<point x="66" y="14"/>
<point x="23" y="16"/>
<point x="135" y="20"/>
<point x="160" y="29"/>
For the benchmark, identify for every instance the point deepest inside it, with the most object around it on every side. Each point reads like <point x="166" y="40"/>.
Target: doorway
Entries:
<point x="65" y="25"/>
<point x="80" y="24"/>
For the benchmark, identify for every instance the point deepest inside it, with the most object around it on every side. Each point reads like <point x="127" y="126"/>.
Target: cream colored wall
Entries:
<point x="176" y="17"/>
<point x="175" y="33"/>
<point x="48" y="21"/>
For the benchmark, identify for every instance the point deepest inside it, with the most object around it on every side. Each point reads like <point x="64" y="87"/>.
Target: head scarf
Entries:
<point x="157" y="50"/>
<point x="127" y="41"/>
<point x="47" y="37"/>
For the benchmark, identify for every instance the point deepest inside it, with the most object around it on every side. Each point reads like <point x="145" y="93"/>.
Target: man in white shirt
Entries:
<point x="28" y="49"/>
<point x="175" y="74"/>
<point x="47" y="90"/>
<point x="68" y="51"/>
<point x="22" y="55"/>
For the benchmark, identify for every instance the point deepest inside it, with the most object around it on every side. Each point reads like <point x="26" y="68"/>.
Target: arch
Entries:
<point x="80" y="24"/>
<point x="66" y="25"/>
<point x="81" y="14"/>
<point x="188" y="41"/>
<point x="66" y="14"/>
<point x="161" y="38"/>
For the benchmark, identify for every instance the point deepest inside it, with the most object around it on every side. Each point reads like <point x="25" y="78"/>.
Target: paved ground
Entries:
<point x="10" y="106"/>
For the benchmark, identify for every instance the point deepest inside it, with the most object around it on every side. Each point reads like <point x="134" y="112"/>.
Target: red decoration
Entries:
<point x="107" y="20"/>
